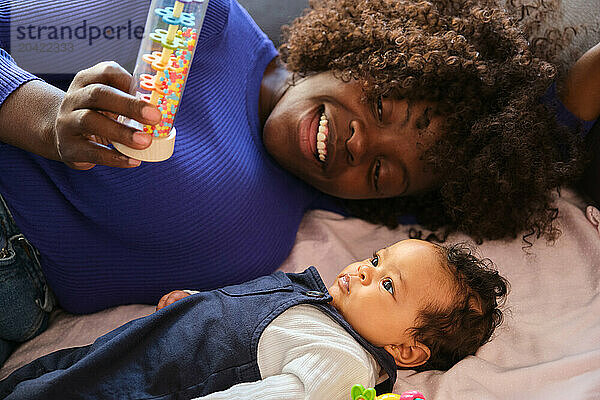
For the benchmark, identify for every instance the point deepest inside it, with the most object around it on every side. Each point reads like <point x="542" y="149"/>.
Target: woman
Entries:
<point x="430" y="110"/>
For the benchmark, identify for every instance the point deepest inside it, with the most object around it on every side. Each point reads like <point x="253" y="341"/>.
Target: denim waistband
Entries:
<point x="9" y="231"/>
<point x="7" y="227"/>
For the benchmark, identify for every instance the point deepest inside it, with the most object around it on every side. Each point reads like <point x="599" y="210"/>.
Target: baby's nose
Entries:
<point x="365" y="274"/>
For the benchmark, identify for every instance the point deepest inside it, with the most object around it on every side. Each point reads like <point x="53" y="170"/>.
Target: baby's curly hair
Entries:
<point x="502" y="152"/>
<point x="452" y="334"/>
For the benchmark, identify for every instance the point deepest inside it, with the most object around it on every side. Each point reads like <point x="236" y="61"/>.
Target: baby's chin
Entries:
<point x="334" y="292"/>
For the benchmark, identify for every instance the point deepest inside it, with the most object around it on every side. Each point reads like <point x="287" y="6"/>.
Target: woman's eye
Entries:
<point x="379" y="108"/>
<point x="388" y="285"/>
<point x="424" y="120"/>
<point x="376" y="175"/>
<point x="375" y="259"/>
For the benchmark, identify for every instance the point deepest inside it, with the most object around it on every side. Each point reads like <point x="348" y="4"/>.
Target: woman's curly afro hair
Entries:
<point x="502" y="152"/>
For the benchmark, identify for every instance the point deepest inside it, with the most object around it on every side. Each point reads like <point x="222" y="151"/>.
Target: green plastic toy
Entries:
<point x="359" y="392"/>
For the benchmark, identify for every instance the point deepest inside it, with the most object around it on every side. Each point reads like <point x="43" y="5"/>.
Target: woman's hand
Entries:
<point x="171" y="298"/>
<point x="86" y="119"/>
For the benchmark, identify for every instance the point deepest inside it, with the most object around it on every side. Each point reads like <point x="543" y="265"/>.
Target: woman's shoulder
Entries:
<point x="563" y="115"/>
<point x="229" y="16"/>
<point x="215" y="19"/>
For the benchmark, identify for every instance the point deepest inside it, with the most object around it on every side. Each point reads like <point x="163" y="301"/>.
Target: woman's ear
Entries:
<point x="409" y="356"/>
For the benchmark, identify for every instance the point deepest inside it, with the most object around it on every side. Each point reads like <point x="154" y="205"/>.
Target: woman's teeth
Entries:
<point x="322" y="138"/>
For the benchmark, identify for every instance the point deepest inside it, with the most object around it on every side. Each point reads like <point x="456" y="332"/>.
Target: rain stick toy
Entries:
<point x="162" y="68"/>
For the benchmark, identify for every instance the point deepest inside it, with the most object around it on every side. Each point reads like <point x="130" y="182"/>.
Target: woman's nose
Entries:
<point x="356" y="145"/>
<point x="365" y="274"/>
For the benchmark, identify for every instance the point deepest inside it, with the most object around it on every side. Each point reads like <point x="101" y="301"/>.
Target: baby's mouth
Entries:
<point x="322" y="136"/>
<point x="345" y="281"/>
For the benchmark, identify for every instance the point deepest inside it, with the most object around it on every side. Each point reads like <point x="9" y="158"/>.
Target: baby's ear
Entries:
<point x="409" y="356"/>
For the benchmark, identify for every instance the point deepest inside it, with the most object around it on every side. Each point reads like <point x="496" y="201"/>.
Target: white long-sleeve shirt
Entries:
<point x="304" y="354"/>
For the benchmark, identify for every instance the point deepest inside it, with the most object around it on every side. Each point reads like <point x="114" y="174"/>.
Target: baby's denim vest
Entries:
<point x="201" y="344"/>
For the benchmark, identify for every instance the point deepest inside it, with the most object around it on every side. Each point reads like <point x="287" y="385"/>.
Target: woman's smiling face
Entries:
<point x="367" y="150"/>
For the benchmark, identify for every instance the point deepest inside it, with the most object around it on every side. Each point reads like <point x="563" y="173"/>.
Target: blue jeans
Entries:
<point x="25" y="298"/>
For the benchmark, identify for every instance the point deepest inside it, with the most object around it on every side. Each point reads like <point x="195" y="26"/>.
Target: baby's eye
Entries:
<point x="388" y="285"/>
<point x="375" y="259"/>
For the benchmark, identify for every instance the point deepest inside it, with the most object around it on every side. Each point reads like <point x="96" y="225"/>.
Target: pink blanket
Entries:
<point x="548" y="346"/>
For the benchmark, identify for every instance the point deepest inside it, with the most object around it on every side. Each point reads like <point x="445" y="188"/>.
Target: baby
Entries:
<point x="413" y="305"/>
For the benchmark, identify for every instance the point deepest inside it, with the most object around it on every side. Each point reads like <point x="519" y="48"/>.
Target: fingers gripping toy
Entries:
<point x="359" y="392"/>
<point x="161" y="70"/>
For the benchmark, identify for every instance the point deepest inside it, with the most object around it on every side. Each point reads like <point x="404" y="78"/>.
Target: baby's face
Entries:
<point x="381" y="296"/>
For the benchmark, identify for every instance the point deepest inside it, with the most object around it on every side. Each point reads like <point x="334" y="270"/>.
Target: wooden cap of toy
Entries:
<point x="160" y="149"/>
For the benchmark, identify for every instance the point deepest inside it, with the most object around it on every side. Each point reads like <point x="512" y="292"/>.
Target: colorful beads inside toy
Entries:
<point x="163" y="85"/>
<point x="170" y="82"/>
